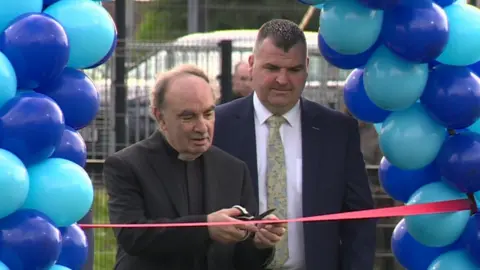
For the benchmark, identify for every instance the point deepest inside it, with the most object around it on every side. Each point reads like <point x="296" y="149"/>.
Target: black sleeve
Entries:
<point x="126" y="206"/>
<point x="247" y="256"/>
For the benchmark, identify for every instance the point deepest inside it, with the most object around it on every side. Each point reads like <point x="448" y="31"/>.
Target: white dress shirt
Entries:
<point x="292" y="143"/>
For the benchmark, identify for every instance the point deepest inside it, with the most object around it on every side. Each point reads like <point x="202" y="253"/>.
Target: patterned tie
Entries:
<point x="277" y="183"/>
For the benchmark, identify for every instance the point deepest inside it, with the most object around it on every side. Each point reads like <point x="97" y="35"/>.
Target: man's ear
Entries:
<point x="159" y="118"/>
<point x="251" y="60"/>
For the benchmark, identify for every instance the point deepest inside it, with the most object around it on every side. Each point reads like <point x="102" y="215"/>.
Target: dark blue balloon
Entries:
<point x="471" y="237"/>
<point x="452" y="96"/>
<point x="357" y="101"/>
<point x="459" y="161"/>
<point x="401" y="184"/>
<point x="475" y="68"/>
<point x="344" y="61"/>
<point x="72" y="147"/>
<point x="76" y="95"/>
<point x="380" y="4"/>
<point x="413" y="255"/>
<point x="38" y="48"/>
<point x="29" y="240"/>
<point x="444" y="3"/>
<point x="31" y="127"/>
<point x="416" y="34"/>
<point x="74" y="247"/>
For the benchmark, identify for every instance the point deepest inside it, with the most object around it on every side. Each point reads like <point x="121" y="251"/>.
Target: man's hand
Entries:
<point x="230" y="233"/>
<point x="269" y="234"/>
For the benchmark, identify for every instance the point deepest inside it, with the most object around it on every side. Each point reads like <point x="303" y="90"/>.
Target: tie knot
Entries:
<point x="275" y="121"/>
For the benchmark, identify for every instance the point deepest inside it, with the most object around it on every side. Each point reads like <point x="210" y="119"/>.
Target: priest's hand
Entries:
<point x="269" y="234"/>
<point x="229" y="233"/>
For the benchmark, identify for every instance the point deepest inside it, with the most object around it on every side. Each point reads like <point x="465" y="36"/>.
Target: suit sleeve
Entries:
<point x="126" y="207"/>
<point x="357" y="236"/>
<point x="247" y="256"/>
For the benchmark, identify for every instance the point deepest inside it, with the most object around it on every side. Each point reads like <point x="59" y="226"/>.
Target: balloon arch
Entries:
<point x="415" y="67"/>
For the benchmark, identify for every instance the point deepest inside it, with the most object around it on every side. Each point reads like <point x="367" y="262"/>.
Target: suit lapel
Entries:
<point x="315" y="143"/>
<point x="246" y="146"/>
<point x="168" y="172"/>
<point x="210" y="182"/>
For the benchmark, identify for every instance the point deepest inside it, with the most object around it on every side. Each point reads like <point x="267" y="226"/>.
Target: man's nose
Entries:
<point x="282" y="77"/>
<point x="201" y="125"/>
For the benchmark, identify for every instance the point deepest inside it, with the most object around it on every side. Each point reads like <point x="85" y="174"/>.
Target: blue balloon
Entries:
<point x="459" y="160"/>
<point x="31" y="127"/>
<point x="14" y="182"/>
<point x="401" y="184"/>
<point x="344" y="61"/>
<point x="416" y="34"/>
<point x="410" y="253"/>
<point x="452" y="96"/>
<point x="59" y="267"/>
<point x="312" y="2"/>
<point x="348" y="27"/>
<point x="90" y="42"/>
<point x="393" y="83"/>
<point x="72" y="147"/>
<point x="437" y="230"/>
<point x="8" y="80"/>
<point x="410" y="139"/>
<point x="358" y="102"/>
<point x="76" y="95"/>
<point x="10" y="10"/>
<point x="444" y="3"/>
<point x="380" y="4"/>
<point x="74" y="247"/>
<point x="38" y="48"/>
<point x="61" y="189"/>
<point x="471" y="237"/>
<point x="29" y="240"/>
<point x="464" y="35"/>
<point x="456" y="259"/>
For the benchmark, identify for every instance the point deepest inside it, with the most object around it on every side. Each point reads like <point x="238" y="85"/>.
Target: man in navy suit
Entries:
<point x="304" y="159"/>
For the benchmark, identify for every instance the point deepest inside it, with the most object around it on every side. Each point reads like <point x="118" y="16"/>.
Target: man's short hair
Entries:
<point x="284" y="33"/>
<point x="157" y="97"/>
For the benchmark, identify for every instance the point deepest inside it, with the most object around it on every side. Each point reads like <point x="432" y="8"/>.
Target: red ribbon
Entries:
<point x="396" y="211"/>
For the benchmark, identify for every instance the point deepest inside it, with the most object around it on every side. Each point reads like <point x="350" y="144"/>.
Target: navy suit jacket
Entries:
<point x="334" y="180"/>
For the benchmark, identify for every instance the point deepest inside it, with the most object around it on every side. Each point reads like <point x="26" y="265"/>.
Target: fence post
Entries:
<point x="226" y="72"/>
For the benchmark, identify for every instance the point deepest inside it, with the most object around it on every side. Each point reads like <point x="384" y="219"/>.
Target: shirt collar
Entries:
<point x="262" y="113"/>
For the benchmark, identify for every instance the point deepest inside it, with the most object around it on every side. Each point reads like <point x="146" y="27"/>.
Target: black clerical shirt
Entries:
<point x="192" y="185"/>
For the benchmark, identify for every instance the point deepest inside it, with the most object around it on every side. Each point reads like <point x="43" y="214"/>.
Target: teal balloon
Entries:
<point x="349" y="27"/>
<point x="455" y="259"/>
<point x="378" y="127"/>
<point x="410" y="139"/>
<point x="3" y="266"/>
<point x="90" y="30"/>
<point x="475" y="127"/>
<point x="11" y="9"/>
<point x="464" y="35"/>
<point x="14" y="183"/>
<point x="57" y="267"/>
<point x="8" y="80"/>
<point x="393" y="83"/>
<point x="437" y="230"/>
<point x="60" y="189"/>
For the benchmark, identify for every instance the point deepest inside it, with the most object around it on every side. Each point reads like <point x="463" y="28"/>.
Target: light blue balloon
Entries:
<point x="8" y="80"/>
<point x="58" y="267"/>
<point x="393" y="83"/>
<point x="410" y="139"/>
<point x="464" y="35"/>
<point x="11" y="9"/>
<point x="378" y="127"/>
<point x="90" y="30"/>
<point x="455" y="259"/>
<point x="4" y="267"/>
<point x="60" y="189"/>
<point x="349" y="27"/>
<point x="437" y="230"/>
<point x="14" y="183"/>
<point x="475" y="127"/>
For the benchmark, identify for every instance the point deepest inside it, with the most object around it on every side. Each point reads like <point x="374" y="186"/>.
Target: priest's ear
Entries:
<point x="159" y="118"/>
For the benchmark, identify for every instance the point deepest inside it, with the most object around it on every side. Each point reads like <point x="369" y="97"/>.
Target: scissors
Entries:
<point x="247" y="216"/>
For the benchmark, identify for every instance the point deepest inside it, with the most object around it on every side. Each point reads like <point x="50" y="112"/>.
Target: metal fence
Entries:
<point x="105" y="244"/>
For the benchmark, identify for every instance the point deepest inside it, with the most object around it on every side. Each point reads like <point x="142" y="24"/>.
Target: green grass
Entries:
<point x="105" y="244"/>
